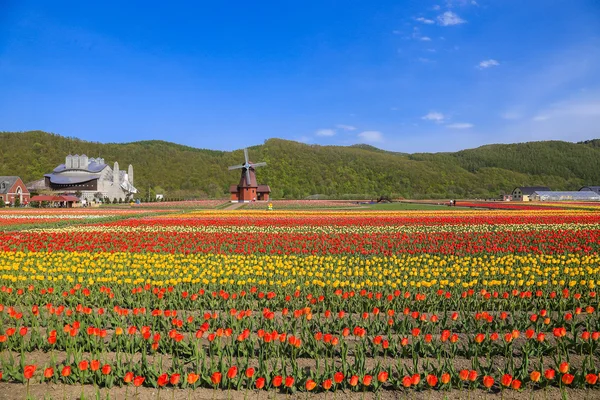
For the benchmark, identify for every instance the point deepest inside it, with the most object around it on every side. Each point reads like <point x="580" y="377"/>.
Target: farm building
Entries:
<point x="564" y="196"/>
<point x="523" y="193"/>
<point x="590" y="188"/>
<point x="13" y="188"/>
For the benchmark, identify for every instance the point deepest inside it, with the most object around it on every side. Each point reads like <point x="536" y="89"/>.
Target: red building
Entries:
<point x="248" y="189"/>
<point x="13" y="188"/>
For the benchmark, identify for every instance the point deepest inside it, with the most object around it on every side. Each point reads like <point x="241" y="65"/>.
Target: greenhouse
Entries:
<point x="565" y="196"/>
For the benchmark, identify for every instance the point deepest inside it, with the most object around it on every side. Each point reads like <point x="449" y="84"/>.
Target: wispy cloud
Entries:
<point x="449" y="18"/>
<point x="371" y="136"/>
<point x="488" y="63"/>
<point x="425" y="20"/>
<point x="345" y="127"/>
<point x="434" y="116"/>
<point x="426" y="38"/>
<point x="460" y="125"/>
<point x="325" y="132"/>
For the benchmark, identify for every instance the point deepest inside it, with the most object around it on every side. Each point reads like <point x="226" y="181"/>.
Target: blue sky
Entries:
<point x="407" y="76"/>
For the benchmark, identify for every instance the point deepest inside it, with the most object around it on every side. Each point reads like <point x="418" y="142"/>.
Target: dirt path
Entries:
<point x="13" y="391"/>
<point x="233" y="206"/>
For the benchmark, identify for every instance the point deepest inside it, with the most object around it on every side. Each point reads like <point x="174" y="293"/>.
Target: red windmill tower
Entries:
<point x="248" y="189"/>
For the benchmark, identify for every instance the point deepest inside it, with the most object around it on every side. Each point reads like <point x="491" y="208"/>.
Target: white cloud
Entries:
<point x="371" y="136"/>
<point x="488" y="63"/>
<point x="460" y="125"/>
<point x="425" y="20"/>
<point x="426" y="39"/>
<point x="325" y="132"/>
<point x="436" y="7"/>
<point x="397" y="32"/>
<point x="346" y="127"/>
<point x="425" y="60"/>
<point x="434" y="116"/>
<point x="449" y="18"/>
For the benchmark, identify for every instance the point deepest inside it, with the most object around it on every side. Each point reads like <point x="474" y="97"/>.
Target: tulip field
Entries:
<point x="455" y="303"/>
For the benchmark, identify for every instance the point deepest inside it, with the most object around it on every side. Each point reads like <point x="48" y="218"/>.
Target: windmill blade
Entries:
<point x="248" y="177"/>
<point x="235" y="167"/>
<point x="246" y="155"/>
<point x="260" y="164"/>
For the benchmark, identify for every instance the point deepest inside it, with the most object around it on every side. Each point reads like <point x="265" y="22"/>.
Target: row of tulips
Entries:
<point x="93" y="372"/>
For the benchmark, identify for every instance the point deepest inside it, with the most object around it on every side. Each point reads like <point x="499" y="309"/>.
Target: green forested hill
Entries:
<point x="297" y="170"/>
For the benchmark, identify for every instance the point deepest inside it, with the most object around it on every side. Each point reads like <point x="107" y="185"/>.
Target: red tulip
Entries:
<point x="549" y="374"/>
<point x="310" y="385"/>
<point x="488" y="381"/>
<point x="289" y="382"/>
<point x="327" y="384"/>
<point x="353" y="380"/>
<point x="138" y="381"/>
<point x="232" y="372"/>
<point x="277" y="380"/>
<point x="162" y="380"/>
<point x="48" y="373"/>
<point x="106" y="369"/>
<point x="66" y="371"/>
<point x="591" y="379"/>
<point x="260" y="383"/>
<point x="216" y="378"/>
<point x="338" y="377"/>
<point x="28" y="371"/>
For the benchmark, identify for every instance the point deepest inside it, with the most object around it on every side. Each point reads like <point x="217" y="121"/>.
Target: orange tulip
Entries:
<point x="128" y="378"/>
<point x="66" y="371"/>
<point x="567" y="379"/>
<point x="310" y="385"/>
<point x="174" y="379"/>
<point x="506" y="380"/>
<point x="488" y="381"/>
<point x="432" y="380"/>
<point x="535" y="376"/>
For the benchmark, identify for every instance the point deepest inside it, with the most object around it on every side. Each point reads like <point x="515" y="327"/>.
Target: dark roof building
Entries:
<point x="591" y="188"/>
<point x="523" y="192"/>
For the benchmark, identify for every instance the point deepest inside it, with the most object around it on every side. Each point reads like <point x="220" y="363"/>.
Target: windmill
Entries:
<point x="248" y="189"/>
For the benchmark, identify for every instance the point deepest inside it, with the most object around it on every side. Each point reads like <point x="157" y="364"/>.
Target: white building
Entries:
<point x="92" y="177"/>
